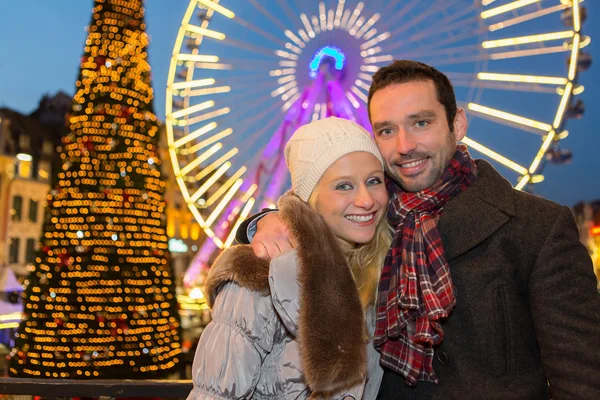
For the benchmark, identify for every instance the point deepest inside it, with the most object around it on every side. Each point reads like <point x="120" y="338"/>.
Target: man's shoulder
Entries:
<point x="533" y="204"/>
<point x="496" y="190"/>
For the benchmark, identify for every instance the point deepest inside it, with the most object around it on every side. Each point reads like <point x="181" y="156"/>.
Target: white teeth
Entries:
<point x="360" y="218"/>
<point x="413" y="164"/>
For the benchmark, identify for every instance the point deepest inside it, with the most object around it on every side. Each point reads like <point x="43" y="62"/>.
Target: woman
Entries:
<point x="295" y="328"/>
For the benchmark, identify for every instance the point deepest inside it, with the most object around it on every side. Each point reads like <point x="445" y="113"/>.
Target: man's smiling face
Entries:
<point x="412" y="133"/>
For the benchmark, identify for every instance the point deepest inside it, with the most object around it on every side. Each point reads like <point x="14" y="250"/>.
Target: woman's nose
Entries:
<point x="363" y="198"/>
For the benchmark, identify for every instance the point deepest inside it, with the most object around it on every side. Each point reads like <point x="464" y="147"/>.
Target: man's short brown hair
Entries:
<point x="403" y="71"/>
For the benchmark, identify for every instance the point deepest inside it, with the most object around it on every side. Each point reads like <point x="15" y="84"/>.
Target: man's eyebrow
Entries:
<point x="417" y="115"/>
<point x="379" y="125"/>
<point x="422" y="114"/>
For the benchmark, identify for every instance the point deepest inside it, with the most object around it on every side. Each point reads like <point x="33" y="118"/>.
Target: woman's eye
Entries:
<point x="373" y="181"/>
<point x="343" y="186"/>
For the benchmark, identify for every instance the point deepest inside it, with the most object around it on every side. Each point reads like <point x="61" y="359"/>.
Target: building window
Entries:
<point x="33" y="210"/>
<point x="48" y="148"/>
<point x="17" y="208"/>
<point x="13" y="253"/>
<point x="24" y="141"/>
<point x="30" y="251"/>
<point x="24" y="169"/>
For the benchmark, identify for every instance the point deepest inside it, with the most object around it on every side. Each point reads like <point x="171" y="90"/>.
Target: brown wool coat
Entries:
<point x="527" y="308"/>
<point x="288" y="328"/>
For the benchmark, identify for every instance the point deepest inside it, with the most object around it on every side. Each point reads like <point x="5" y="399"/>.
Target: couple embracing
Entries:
<point x="401" y="268"/>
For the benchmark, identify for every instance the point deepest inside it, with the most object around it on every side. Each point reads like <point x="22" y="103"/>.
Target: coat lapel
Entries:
<point x="477" y="213"/>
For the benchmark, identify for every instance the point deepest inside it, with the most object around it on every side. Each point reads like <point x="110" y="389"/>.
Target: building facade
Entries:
<point x="27" y="148"/>
<point x="25" y="158"/>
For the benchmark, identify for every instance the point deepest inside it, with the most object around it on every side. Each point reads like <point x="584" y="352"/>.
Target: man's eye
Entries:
<point x="422" y="124"/>
<point x="385" y="132"/>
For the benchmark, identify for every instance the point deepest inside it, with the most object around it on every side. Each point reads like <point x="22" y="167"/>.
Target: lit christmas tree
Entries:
<point x="100" y="302"/>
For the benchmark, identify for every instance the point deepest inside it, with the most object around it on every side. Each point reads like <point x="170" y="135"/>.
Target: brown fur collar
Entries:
<point x="332" y="325"/>
<point x="332" y="330"/>
<point x="237" y="264"/>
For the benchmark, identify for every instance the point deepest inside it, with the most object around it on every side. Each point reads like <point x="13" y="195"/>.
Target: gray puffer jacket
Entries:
<point x="291" y="329"/>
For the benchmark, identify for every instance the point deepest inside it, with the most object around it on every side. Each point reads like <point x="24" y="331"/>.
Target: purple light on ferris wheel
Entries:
<point x="326" y="91"/>
<point x="328" y="51"/>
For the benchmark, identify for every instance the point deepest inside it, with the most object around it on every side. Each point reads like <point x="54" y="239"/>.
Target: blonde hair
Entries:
<point x="366" y="260"/>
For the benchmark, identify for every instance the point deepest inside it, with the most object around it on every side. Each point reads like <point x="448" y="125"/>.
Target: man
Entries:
<point x="486" y="292"/>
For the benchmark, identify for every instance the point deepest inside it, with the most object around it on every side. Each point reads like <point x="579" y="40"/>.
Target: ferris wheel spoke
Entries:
<point x="205" y="32"/>
<point x="433" y="9"/>
<point x="194" y="135"/>
<point x="443" y="29"/>
<point x="251" y="91"/>
<point x="503" y="117"/>
<point x="495" y="156"/>
<point x="470" y="33"/>
<point x="213" y="66"/>
<point x="267" y="14"/>
<point x="257" y="65"/>
<point x="199" y="160"/>
<point x="518" y="78"/>
<point x="205" y="171"/>
<point x="245" y="212"/>
<point x="339" y="12"/>
<point x="232" y="189"/>
<point x="186" y="112"/>
<point x="240" y="44"/>
<point x="520" y="40"/>
<point x="243" y="79"/>
<point x="537" y="51"/>
<point x="188" y="93"/>
<point x="259" y="94"/>
<point x="225" y="186"/>
<point x="405" y="9"/>
<point x="213" y="6"/>
<point x="513" y="87"/>
<point x="204" y="117"/>
<point x="465" y="50"/>
<point x="258" y="30"/>
<point x="361" y="95"/>
<point x="207" y="142"/>
<point x="209" y="182"/>
<point x="439" y="62"/>
<point x="548" y="140"/>
<point x="353" y="16"/>
<point x="289" y="13"/>
<point x="248" y="121"/>
<point x="527" y="17"/>
<point x="255" y="136"/>
<point x="513" y="6"/>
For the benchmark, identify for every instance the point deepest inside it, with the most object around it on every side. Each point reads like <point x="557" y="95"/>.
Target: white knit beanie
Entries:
<point x="317" y="145"/>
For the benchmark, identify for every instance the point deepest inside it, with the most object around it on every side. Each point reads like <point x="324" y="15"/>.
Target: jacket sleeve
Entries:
<point x="565" y="307"/>
<point x="233" y="345"/>
<point x="285" y="291"/>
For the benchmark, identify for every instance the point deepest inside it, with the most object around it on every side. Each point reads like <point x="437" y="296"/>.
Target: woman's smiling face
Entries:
<point x="351" y="196"/>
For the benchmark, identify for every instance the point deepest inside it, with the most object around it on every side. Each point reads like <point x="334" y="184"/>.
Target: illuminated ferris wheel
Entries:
<point x="245" y="75"/>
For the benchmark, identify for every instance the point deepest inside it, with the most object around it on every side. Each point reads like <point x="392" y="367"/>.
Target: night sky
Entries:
<point x="42" y="42"/>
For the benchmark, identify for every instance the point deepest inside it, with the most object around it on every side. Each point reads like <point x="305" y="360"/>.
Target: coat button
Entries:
<point x="442" y="357"/>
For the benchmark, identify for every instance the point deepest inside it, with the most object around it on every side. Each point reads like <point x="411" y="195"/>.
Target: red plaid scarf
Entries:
<point x="415" y="290"/>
